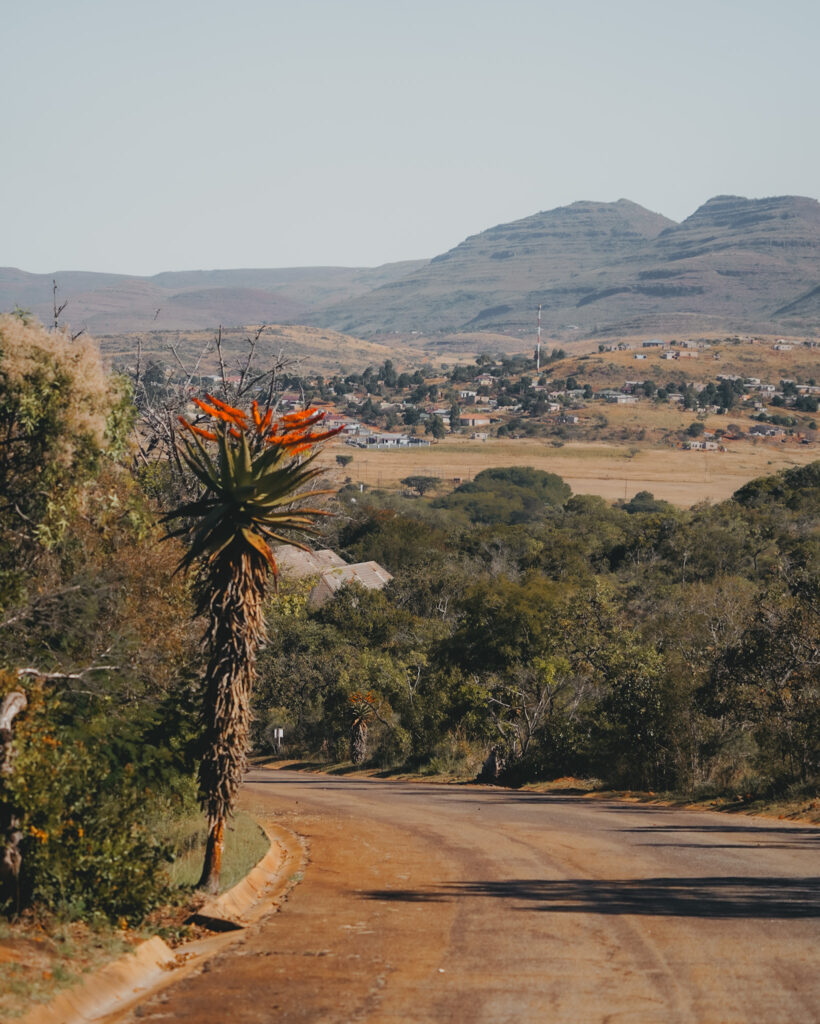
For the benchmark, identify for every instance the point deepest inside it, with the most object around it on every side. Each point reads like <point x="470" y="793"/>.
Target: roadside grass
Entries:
<point x="40" y="954"/>
<point x="245" y="845"/>
<point x="805" y="809"/>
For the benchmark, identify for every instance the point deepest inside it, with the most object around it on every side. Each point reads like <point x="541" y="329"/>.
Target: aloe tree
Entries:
<point x="253" y="497"/>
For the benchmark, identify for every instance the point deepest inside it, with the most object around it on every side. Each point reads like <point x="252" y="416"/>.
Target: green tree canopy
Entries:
<point x="421" y="484"/>
<point x="514" y="494"/>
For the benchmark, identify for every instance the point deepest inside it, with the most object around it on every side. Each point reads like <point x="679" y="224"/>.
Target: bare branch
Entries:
<point x="175" y="354"/>
<point x="40" y="674"/>
<point x="11" y="707"/>
<point x="42" y="599"/>
<point x="249" y="361"/>
<point x="57" y="310"/>
<point x="221" y="361"/>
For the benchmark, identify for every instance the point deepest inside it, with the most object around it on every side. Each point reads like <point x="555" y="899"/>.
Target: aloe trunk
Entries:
<point x="233" y="599"/>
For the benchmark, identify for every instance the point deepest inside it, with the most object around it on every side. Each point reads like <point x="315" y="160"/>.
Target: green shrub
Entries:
<point x="86" y="852"/>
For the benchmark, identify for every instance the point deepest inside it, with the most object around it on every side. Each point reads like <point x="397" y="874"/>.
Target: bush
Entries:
<point x="455" y="755"/>
<point x="85" y="850"/>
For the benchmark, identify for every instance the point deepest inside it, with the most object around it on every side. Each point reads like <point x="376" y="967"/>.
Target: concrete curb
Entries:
<point x="104" y="996"/>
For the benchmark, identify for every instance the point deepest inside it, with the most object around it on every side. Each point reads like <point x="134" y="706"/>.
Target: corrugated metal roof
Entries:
<point x="297" y="564"/>
<point x="368" y="574"/>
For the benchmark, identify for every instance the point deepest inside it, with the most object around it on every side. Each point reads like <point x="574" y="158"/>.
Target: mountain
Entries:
<point x="734" y="264"/>
<point x="610" y="266"/>
<point x="494" y="280"/>
<point x="190" y="300"/>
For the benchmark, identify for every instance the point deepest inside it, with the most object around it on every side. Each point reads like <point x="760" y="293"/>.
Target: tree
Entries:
<point x="10" y="834"/>
<point x="251" y="497"/>
<point x="389" y="375"/>
<point x="59" y="413"/>
<point x="89" y="607"/>
<point x="362" y="706"/>
<point x="435" y="426"/>
<point x="421" y="484"/>
<point x="509" y="494"/>
<point x="344" y="460"/>
<point x="768" y="679"/>
<point x="370" y="412"/>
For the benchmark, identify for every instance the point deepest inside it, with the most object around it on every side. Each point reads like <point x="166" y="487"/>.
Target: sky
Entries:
<point x="191" y="134"/>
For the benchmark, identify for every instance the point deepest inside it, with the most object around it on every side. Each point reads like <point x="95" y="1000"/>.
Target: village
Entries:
<point x="568" y="398"/>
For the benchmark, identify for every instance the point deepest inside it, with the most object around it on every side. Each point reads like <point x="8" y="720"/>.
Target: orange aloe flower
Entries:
<point x="283" y="440"/>
<point x="197" y="430"/>
<point x="231" y="410"/>
<point x="301" y="416"/>
<point x="216" y="413"/>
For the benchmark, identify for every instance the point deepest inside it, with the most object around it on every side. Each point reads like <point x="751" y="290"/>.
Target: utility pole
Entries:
<point x="538" y="343"/>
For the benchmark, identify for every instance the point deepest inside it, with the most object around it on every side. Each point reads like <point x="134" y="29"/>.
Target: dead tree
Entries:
<point x="157" y="427"/>
<point x="10" y="834"/>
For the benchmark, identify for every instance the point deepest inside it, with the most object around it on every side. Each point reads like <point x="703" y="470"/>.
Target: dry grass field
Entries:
<point x="609" y="470"/>
<point x="746" y="358"/>
<point x="312" y="349"/>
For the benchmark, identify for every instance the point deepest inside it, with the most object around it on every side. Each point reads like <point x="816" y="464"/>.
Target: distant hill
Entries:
<point x="595" y="268"/>
<point x="601" y="267"/>
<point x="191" y="300"/>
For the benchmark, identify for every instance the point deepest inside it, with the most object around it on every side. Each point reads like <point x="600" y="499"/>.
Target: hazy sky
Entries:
<point x="188" y="134"/>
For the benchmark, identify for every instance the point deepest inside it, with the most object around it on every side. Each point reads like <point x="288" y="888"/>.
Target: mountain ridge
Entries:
<point x="594" y="267"/>
<point x="745" y="262"/>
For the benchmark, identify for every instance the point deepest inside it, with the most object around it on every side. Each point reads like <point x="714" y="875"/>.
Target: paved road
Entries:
<point x="424" y="903"/>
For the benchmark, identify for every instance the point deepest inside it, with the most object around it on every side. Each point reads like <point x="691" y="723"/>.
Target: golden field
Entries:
<point x="610" y="470"/>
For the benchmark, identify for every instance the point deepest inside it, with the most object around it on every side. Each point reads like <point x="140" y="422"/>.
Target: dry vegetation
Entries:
<point x="743" y="357"/>
<point x="318" y="349"/>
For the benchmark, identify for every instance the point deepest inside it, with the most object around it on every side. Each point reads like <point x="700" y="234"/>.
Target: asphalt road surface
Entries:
<point x="471" y="904"/>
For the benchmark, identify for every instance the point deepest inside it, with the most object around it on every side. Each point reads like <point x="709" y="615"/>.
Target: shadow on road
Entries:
<point x="765" y="829"/>
<point x="767" y="837"/>
<point x="717" y="897"/>
<point x="442" y="791"/>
